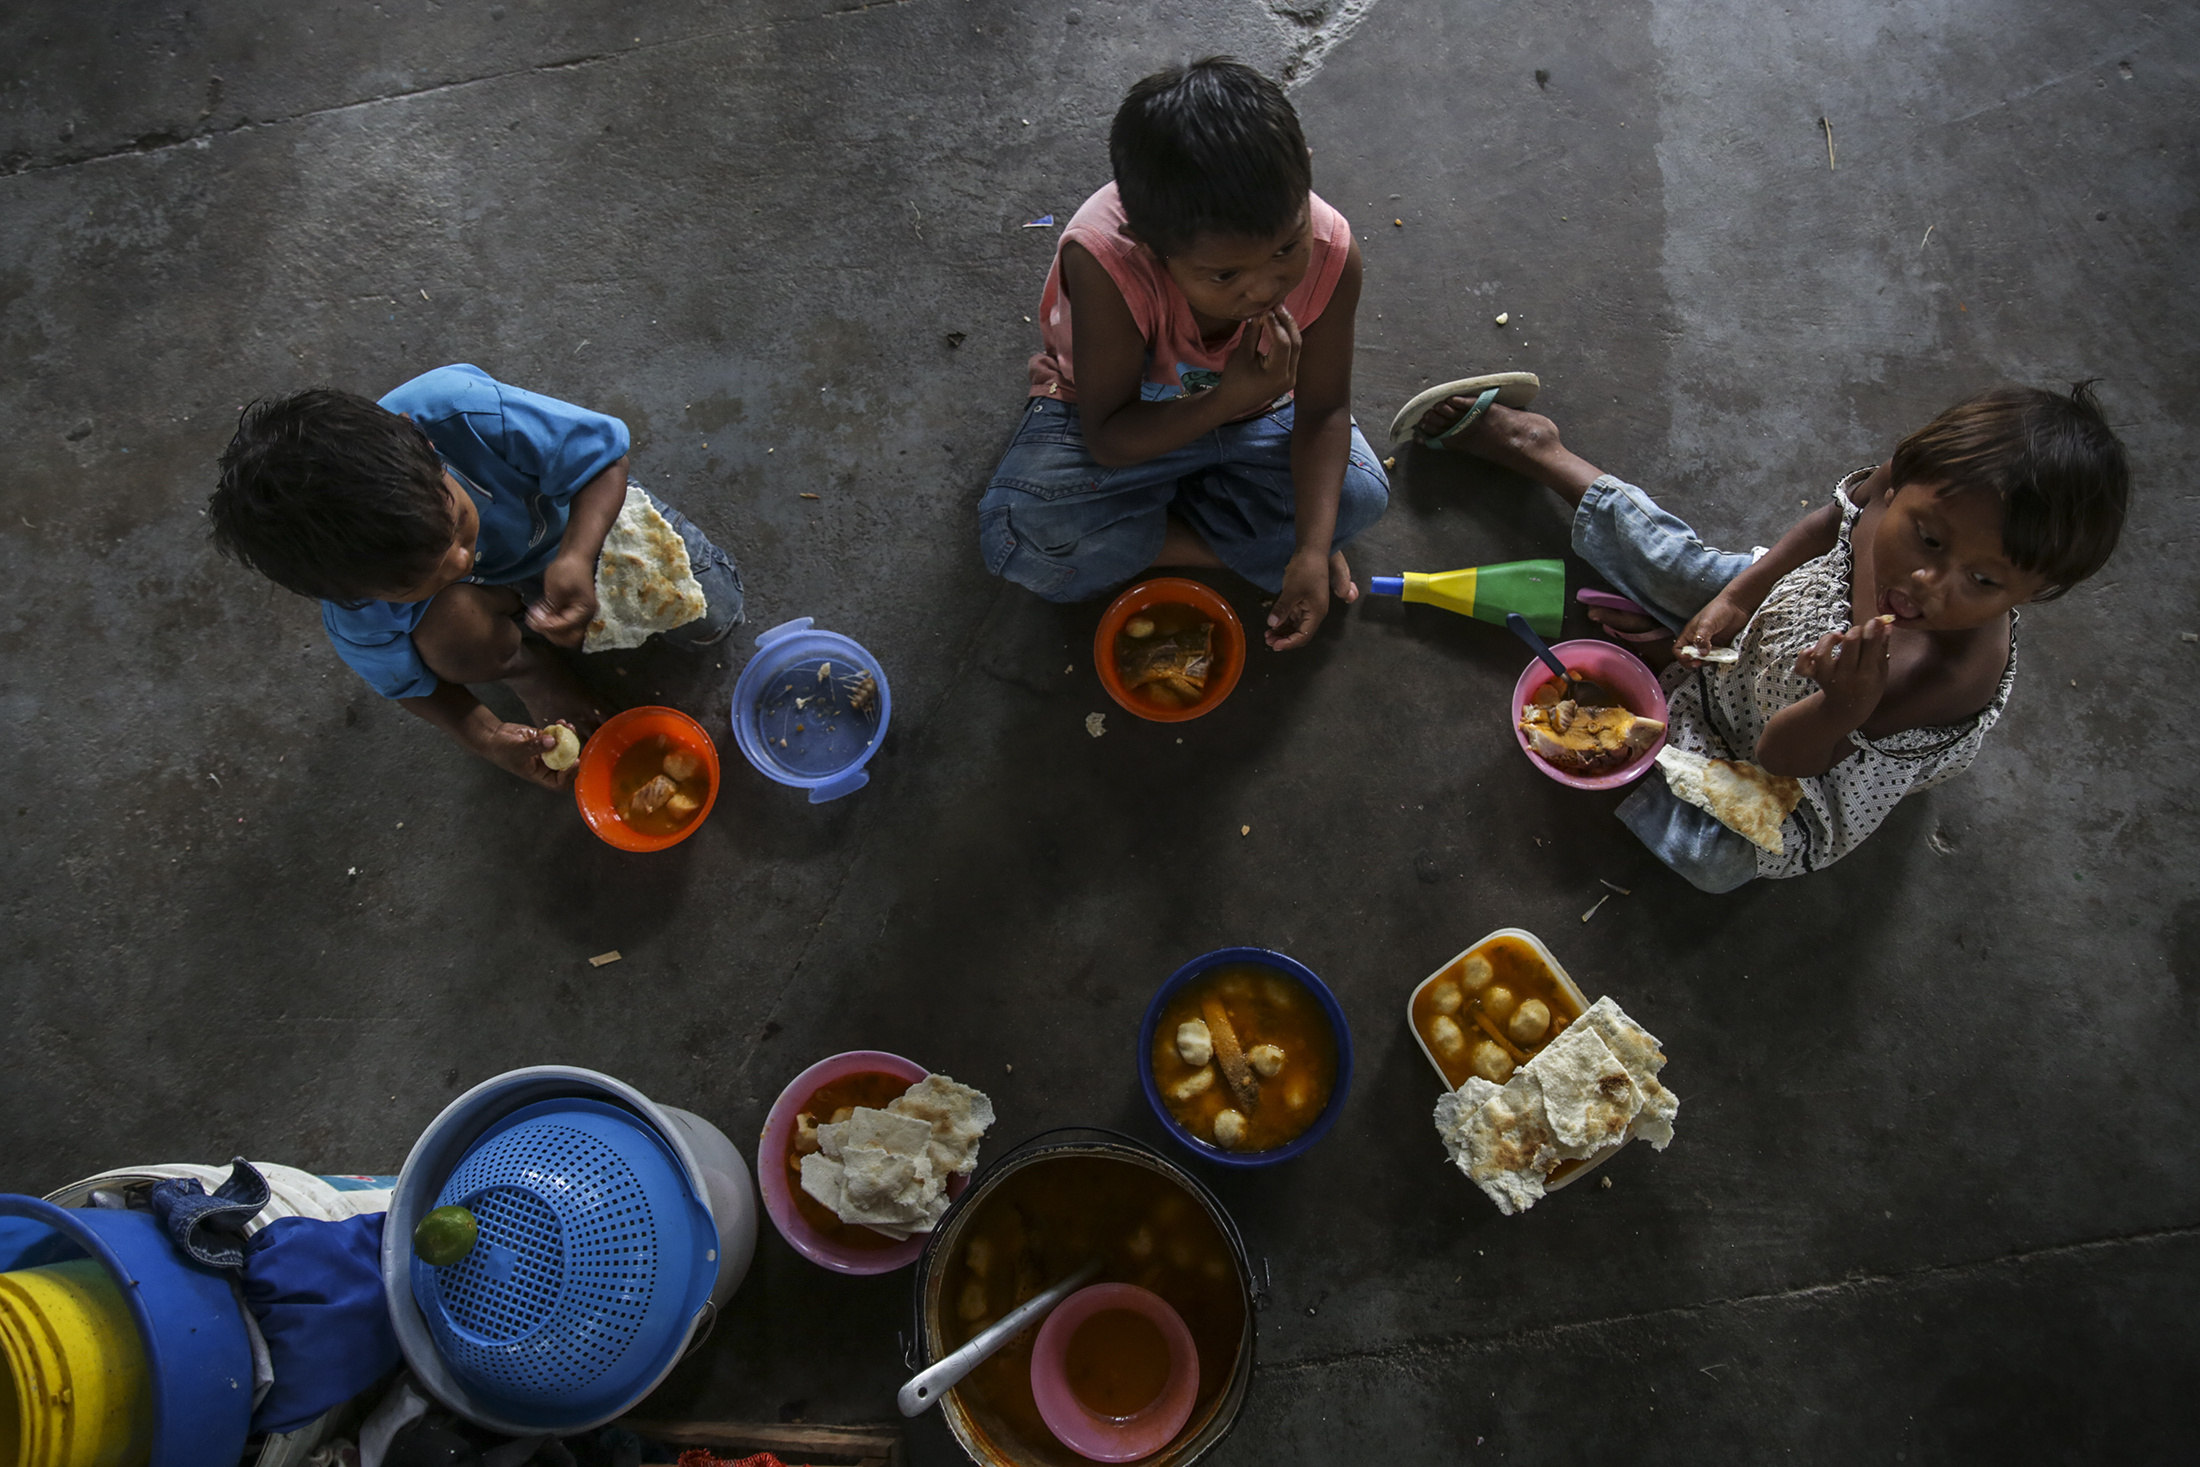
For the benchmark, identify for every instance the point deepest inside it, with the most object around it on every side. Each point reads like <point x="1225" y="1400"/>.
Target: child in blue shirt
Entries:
<point x="450" y="532"/>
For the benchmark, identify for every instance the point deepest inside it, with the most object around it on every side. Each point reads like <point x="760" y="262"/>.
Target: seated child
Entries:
<point x="1200" y="413"/>
<point x="1876" y="641"/>
<point x="450" y="533"/>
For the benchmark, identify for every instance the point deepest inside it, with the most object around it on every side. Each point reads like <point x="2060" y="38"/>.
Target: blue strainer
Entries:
<point x="592" y="1259"/>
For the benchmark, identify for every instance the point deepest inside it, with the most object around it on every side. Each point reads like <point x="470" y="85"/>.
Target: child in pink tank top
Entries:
<point x="1191" y="400"/>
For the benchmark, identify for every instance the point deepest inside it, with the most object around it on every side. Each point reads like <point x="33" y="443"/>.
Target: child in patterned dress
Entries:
<point x="1874" y="645"/>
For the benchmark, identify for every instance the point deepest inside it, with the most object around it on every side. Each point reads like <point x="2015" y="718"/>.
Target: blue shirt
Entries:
<point x="522" y="457"/>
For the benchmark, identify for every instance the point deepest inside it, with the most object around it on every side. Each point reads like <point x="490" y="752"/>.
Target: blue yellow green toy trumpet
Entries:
<point x="1536" y="589"/>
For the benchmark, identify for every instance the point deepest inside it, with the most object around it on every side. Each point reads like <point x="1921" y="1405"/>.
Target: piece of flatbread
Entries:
<point x="1588" y="1096"/>
<point x="1739" y="795"/>
<point x="1638" y="1049"/>
<point x="877" y="1128"/>
<point x="958" y="1116"/>
<point x="1509" y="1147"/>
<point x="644" y="583"/>
<point x="881" y="1187"/>
<point x="1582" y="1094"/>
<point x="823" y="1179"/>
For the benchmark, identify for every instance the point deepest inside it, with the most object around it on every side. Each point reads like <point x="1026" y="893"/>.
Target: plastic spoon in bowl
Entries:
<point x="1586" y="692"/>
<point x="926" y="1387"/>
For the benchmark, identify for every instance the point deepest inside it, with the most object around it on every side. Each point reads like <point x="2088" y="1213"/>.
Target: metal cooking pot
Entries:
<point x="993" y="1442"/>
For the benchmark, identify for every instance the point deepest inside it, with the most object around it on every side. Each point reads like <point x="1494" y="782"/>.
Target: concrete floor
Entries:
<point x="1935" y="1193"/>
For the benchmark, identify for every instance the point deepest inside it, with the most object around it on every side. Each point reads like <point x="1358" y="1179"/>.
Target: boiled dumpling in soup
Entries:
<point x="1196" y="1083"/>
<point x="1492" y="1063"/>
<point x="1530" y="1022"/>
<point x="1194" y="1045"/>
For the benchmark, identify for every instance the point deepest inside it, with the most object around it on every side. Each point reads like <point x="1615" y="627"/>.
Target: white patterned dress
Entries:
<point x="1721" y="712"/>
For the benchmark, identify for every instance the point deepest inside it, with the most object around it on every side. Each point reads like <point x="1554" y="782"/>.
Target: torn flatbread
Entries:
<point x="1739" y="795"/>
<point x="883" y="1187"/>
<point x="1588" y="1095"/>
<point x="644" y="583"/>
<point x="1638" y="1049"/>
<point x="1506" y="1146"/>
<point x="887" y="1168"/>
<point x="824" y="1179"/>
<point x="1582" y="1095"/>
<point x="958" y="1116"/>
<point x="875" y="1128"/>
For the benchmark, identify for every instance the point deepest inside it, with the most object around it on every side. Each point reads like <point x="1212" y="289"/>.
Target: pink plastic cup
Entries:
<point x="1108" y="1438"/>
<point x="1629" y="678"/>
<point x="778" y="1192"/>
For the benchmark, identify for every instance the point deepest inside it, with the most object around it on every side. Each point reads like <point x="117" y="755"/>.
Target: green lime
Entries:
<point x="445" y="1236"/>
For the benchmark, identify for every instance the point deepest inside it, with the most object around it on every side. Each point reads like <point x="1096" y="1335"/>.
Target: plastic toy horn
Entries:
<point x="1534" y="588"/>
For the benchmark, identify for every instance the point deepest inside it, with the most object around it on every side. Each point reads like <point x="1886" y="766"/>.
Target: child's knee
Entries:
<point x="1048" y="573"/>
<point x="1058" y="560"/>
<point x="465" y="639"/>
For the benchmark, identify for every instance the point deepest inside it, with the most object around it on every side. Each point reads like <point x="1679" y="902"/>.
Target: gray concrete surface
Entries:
<point x="1934" y="1196"/>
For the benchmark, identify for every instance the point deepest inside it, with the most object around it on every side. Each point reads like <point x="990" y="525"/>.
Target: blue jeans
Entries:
<point x="1654" y="558"/>
<point x="1056" y="522"/>
<point x="713" y="569"/>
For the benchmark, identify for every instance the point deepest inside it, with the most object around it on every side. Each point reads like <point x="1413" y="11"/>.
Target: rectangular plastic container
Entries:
<point x="1567" y="1172"/>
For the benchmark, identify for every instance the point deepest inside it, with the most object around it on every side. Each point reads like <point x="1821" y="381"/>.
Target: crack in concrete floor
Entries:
<point x="1450" y="1345"/>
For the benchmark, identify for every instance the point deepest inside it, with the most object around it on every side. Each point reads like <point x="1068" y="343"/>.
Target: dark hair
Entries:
<point x="2051" y="459"/>
<point x="1210" y="148"/>
<point x="331" y="495"/>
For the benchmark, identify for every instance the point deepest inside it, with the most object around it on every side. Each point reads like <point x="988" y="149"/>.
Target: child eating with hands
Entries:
<point x="451" y="533"/>
<point x="1199" y="413"/>
<point x="1867" y="654"/>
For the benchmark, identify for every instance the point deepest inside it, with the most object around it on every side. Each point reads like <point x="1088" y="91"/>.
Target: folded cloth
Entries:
<point x="211" y="1229"/>
<point x="316" y="1289"/>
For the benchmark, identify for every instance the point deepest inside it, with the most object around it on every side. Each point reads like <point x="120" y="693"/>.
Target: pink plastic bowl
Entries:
<point x="771" y="1167"/>
<point x="1618" y="669"/>
<point x="1107" y="1438"/>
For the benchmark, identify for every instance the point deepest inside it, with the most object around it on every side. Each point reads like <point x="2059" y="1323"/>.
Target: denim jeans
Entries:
<point x="1057" y="522"/>
<point x="714" y="570"/>
<point x="1653" y="557"/>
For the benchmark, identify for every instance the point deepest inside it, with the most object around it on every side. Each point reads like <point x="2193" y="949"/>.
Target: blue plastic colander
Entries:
<point x="592" y="1258"/>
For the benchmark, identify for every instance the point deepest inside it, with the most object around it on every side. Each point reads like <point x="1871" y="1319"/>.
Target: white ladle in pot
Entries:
<point x="924" y="1389"/>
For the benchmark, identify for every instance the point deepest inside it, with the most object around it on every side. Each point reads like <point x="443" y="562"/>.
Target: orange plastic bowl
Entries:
<point x="1229" y="644"/>
<point x="621" y="732"/>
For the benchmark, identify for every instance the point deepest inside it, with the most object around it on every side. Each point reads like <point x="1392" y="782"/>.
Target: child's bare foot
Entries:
<point x="1524" y="442"/>
<point x="1341" y="585"/>
<point x="550" y="690"/>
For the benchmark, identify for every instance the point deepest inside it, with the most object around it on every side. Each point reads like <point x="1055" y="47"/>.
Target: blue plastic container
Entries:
<point x="594" y="1256"/>
<point x="1290" y="968"/>
<point x="797" y="713"/>
<point x="191" y="1324"/>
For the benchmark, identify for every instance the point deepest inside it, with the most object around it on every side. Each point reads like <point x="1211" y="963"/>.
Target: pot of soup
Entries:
<point x="1036" y="1216"/>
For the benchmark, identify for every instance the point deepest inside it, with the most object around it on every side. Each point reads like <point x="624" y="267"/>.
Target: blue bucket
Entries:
<point x="811" y="709"/>
<point x="190" y="1323"/>
<point x="1290" y="968"/>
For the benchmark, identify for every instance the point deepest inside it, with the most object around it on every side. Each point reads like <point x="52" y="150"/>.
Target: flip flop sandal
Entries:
<point x="1608" y="601"/>
<point x="1513" y="389"/>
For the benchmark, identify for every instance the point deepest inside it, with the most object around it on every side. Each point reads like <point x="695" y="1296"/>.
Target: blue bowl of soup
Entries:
<point x="1292" y="1069"/>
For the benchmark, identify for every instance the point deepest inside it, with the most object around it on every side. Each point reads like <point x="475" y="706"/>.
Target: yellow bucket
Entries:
<point x="74" y="1387"/>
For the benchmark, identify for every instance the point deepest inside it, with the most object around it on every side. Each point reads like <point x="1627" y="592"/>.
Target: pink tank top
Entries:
<point x="1175" y="355"/>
